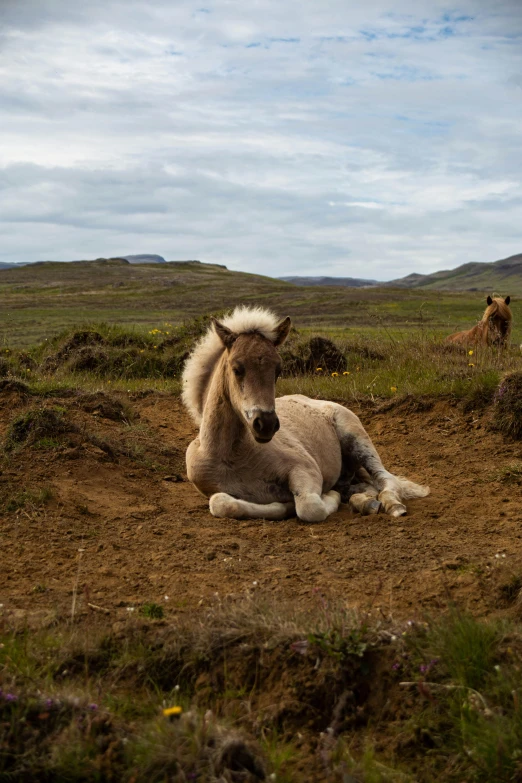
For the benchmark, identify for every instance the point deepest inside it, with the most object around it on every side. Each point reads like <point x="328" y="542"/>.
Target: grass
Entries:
<point x="509" y="474"/>
<point x="29" y="499"/>
<point x="382" y="366"/>
<point x="450" y="686"/>
<point x="40" y="301"/>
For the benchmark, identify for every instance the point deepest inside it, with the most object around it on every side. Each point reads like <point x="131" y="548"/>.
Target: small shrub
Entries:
<point x="509" y="474"/>
<point x="467" y="647"/>
<point x="34" y="498"/>
<point x="510" y="590"/>
<point x="152" y="611"/>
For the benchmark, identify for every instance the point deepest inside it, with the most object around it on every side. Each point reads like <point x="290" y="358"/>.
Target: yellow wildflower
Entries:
<point x="393" y="388"/>
<point x="335" y="374"/>
<point x="346" y="373"/>
<point x="318" y="369"/>
<point x="170" y="711"/>
<point x="471" y="365"/>
<point x="470" y="353"/>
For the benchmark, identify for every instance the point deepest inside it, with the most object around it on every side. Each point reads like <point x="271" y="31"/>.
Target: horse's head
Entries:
<point x="252" y="365"/>
<point x="498" y="317"/>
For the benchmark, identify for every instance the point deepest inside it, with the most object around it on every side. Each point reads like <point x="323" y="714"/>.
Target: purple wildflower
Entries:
<point x="11" y="697"/>
<point x="92" y="707"/>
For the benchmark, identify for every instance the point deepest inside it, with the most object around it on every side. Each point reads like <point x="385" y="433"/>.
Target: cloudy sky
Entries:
<point x="340" y="137"/>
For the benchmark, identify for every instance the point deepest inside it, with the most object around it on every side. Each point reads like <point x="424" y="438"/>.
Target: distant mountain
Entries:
<point x="349" y="282"/>
<point x="503" y="277"/>
<point x="145" y="259"/>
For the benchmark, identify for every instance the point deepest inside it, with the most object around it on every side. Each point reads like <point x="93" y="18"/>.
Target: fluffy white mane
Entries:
<point x="200" y="364"/>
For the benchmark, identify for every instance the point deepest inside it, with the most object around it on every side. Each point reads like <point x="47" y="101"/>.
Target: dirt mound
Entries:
<point x="36" y="424"/>
<point x="12" y="386"/>
<point x="80" y="344"/>
<point x="106" y="406"/>
<point x="80" y="339"/>
<point x="304" y="358"/>
<point x="507" y="409"/>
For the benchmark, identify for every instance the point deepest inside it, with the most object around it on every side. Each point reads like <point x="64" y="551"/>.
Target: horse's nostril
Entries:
<point x="258" y="424"/>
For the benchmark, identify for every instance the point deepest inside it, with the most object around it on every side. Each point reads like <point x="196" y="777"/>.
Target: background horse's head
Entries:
<point x="252" y="365"/>
<point x="498" y="319"/>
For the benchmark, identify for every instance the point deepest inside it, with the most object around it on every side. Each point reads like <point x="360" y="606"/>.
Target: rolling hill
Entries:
<point x="347" y="282"/>
<point x="504" y="276"/>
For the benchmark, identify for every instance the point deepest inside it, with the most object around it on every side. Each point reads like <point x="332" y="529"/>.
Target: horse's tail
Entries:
<point x="409" y="489"/>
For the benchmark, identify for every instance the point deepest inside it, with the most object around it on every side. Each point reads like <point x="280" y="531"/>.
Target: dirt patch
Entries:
<point x="145" y="538"/>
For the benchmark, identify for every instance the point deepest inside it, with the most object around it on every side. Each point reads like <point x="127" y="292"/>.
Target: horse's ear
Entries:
<point x="507" y="300"/>
<point x="489" y="300"/>
<point x="282" y="330"/>
<point x="226" y="336"/>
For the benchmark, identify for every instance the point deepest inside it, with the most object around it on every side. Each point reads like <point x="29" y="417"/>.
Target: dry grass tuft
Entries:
<point x="507" y="415"/>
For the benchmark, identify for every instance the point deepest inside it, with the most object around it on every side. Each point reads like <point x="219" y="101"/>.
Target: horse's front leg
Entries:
<point x="310" y="504"/>
<point x="223" y="505"/>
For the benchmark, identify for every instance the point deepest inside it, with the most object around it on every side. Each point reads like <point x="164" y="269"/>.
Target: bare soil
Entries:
<point x="125" y="526"/>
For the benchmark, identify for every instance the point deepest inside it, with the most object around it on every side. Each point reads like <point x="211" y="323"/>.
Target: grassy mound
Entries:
<point x="36" y="425"/>
<point x="321" y="696"/>
<point x="507" y="416"/>
<point x="302" y="357"/>
<point x="106" y="406"/>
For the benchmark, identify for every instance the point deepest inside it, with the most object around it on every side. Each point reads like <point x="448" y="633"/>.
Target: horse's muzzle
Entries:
<point x="265" y="426"/>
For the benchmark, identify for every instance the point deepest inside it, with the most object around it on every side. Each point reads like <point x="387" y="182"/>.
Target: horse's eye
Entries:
<point x="238" y="372"/>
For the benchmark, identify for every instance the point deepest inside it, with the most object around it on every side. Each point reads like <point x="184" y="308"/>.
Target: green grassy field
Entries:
<point x="37" y="302"/>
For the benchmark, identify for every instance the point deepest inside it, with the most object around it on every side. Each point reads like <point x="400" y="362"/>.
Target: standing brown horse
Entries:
<point x="493" y="329"/>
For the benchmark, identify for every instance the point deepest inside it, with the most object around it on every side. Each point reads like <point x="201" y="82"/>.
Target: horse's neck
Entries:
<point x="221" y="427"/>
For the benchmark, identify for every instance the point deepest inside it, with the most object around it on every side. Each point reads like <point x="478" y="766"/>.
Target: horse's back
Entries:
<point x="458" y="337"/>
<point x="470" y="337"/>
<point x="311" y="424"/>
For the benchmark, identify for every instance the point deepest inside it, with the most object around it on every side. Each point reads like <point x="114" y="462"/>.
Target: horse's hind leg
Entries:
<point x="364" y="499"/>
<point x="359" y="452"/>
<point x="223" y="505"/>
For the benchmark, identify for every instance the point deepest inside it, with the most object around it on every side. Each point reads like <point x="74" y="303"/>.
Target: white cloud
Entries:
<point x="281" y="138"/>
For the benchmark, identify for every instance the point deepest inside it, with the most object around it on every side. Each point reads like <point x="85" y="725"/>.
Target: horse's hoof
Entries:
<point x="221" y="505"/>
<point x="371" y="507"/>
<point x="397" y="510"/>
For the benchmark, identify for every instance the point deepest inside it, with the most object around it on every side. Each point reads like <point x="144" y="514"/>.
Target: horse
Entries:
<point x="258" y="457"/>
<point x="494" y="329"/>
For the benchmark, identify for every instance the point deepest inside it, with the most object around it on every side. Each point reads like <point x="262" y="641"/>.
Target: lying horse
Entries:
<point x="493" y="329"/>
<point x="258" y="457"/>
